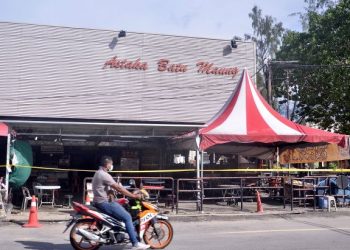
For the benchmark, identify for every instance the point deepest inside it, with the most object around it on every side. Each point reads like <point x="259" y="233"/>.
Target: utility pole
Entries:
<point x="269" y="83"/>
<point x="284" y="64"/>
<point x="287" y="83"/>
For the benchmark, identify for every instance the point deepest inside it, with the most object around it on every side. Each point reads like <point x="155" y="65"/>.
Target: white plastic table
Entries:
<point x="229" y="192"/>
<point x="52" y="188"/>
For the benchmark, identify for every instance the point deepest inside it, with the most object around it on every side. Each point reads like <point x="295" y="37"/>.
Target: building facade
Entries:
<point x="60" y="72"/>
<point x="76" y="94"/>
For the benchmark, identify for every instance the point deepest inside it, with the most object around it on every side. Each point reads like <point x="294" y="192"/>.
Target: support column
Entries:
<point x="202" y="168"/>
<point x="198" y="182"/>
<point x="8" y="167"/>
<point x="278" y="157"/>
<point x="237" y="162"/>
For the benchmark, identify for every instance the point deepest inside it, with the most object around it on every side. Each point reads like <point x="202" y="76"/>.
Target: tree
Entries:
<point x="322" y="78"/>
<point x="267" y="36"/>
<point x="313" y="6"/>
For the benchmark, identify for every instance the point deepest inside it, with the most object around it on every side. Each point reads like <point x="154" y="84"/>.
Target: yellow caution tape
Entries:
<point x="121" y="171"/>
<point x="277" y="170"/>
<point x="340" y="170"/>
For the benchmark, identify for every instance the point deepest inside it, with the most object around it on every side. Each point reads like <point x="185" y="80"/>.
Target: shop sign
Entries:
<point x="329" y="152"/>
<point x="117" y="63"/>
<point x="164" y="65"/>
<point x="208" y="68"/>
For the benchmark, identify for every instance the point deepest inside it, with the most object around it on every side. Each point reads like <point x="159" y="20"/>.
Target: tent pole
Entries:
<point x="202" y="167"/>
<point x="278" y="157"/>
<point x="198" y="177"/>
<point x="8" y="167"/>
<point x="202" y="175"/>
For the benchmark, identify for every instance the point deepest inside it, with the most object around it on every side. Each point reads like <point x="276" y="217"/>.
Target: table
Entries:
<point x="154" y="182"/>
<point x="158" y="188"/>
<point x="230" y="191"/>
<point x="52" y="188"/>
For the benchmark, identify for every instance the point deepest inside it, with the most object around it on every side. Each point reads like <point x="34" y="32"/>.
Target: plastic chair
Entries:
<point x="26" y="197"/>
<point x="331" y="201"/>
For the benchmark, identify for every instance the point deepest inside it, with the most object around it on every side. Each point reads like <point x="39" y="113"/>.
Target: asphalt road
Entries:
<point x="283" y="233"/>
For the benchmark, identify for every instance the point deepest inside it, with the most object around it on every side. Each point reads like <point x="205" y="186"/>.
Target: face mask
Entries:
<point x="111" y="168"/>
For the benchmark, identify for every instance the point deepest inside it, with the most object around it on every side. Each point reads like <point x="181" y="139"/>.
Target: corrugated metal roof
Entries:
<point x="57" y="72"/>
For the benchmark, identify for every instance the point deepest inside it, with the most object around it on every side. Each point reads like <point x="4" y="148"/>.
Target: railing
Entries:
<point x="237" y="190"/>
<point x="300" y="190"/>
<point x="193" y="190"/>
<point x="227" y="189"/>
<point x="167" y="187"/>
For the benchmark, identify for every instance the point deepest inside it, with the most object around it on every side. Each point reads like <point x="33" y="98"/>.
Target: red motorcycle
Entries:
<point x="93" y="228"/>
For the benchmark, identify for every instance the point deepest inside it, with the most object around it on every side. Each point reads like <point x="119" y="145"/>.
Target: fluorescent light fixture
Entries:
<point x="75" y="140"/>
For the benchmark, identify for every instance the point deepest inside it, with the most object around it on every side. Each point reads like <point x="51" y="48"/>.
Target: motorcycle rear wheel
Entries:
<point x="77" y="241"/>
<point x="159" y="235"/>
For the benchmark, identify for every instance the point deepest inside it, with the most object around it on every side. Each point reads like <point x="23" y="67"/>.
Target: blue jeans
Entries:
<point x="118" y="212"/>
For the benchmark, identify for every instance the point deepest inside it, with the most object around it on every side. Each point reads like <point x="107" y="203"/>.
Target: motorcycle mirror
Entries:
<point x="132" y="183"/>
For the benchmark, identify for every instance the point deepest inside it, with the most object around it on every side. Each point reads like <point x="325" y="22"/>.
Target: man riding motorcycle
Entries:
<point x="102" y="182"/>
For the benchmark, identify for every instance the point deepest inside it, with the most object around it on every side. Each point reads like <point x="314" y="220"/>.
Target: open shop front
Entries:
<point x="65" y="153"/>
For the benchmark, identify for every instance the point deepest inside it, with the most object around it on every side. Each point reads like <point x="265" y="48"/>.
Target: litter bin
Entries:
<point x="322" y="202"/>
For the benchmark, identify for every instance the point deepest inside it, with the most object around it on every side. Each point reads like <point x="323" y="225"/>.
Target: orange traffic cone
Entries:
<point x="33" y="214"/>
<point x="87" y="200"/>
<point x="258" y="203"/>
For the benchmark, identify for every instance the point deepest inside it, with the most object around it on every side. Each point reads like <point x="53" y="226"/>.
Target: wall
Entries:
<point x="58" y="72"/>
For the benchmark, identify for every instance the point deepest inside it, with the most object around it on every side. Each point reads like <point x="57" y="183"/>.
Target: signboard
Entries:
<point x="329" y="152"/>
<point x="165" y="65"/>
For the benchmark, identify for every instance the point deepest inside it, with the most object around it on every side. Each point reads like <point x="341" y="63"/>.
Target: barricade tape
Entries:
<point x="340" y="170"/>
<point x="278" y="170"/>
<point x="117" y="171"/>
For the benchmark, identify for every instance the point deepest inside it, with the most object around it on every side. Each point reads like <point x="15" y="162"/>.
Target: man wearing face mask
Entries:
<point x="101" y="183"/>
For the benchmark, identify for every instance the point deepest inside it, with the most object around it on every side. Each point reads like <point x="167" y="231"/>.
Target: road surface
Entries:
<point x="277" y="233"/>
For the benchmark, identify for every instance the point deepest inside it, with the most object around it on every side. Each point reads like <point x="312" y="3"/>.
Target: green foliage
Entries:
<point x="313" y="6"/>
<point x="333" y="165"/>
<point x="267" y="36"/>
<point x="323" y="91"/>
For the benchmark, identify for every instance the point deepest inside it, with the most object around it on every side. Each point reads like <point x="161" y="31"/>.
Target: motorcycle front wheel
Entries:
<point x="159" y="234"/>
<point x="79" y="242"/>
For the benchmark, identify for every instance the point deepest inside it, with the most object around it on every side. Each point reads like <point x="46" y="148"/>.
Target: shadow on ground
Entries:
<point x="37" y="245"/>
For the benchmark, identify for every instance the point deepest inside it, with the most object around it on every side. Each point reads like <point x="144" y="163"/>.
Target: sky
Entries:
<point x="201" y="18"/>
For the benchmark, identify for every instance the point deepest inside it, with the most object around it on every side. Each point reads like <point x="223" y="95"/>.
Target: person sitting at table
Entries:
<point x="102" y="182"/>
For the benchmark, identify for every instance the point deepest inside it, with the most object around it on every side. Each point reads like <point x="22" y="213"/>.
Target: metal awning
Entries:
<point x="95" y="131"/>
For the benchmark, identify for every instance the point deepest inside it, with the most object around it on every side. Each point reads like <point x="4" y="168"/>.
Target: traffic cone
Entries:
<point x="87" y="200"/>
<point x="88" y="203"/>
<point x="258" y="203"/>
<point x="33" y="214"/>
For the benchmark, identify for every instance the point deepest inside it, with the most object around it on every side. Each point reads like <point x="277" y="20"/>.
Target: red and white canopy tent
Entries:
<point x="3" y="129"/>
<point x="249" y="126"/>
<point x="248" y="118"/>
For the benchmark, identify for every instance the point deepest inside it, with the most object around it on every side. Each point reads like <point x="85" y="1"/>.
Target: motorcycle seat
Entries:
<point x="93" y="208"/>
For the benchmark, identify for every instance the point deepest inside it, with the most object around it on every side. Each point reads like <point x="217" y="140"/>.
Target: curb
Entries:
<point x="209" y="217"/>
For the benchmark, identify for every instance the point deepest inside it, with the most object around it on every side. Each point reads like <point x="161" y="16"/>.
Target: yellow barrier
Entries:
<point x="341" y="170"/>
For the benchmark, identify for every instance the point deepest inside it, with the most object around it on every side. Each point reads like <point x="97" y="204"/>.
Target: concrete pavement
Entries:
<point x="287" y="232"/>
<point x="187" y="212"/>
